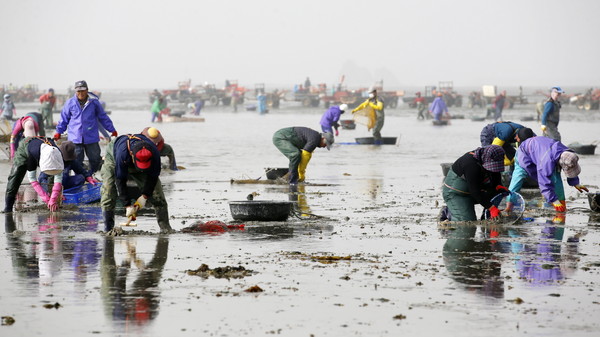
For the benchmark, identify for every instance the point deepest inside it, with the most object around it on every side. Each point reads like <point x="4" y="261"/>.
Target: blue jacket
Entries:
<point x="506" y="131"/>
<point x="539" y="157"/>
<point x="83" y="123"/>
<point x="331" y="117"/>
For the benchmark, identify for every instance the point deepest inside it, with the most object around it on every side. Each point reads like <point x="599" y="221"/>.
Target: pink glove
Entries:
<point x="55" y="198"/>
<point x="337" y="133"/>
<point x="91" y="180"/>
<point x="40" y="191"/>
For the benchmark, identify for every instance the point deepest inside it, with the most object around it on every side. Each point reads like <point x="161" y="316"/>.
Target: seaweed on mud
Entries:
<point x="226" y="272"/>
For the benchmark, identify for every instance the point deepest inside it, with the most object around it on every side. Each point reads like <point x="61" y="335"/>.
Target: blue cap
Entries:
<point x="558" y="89"/>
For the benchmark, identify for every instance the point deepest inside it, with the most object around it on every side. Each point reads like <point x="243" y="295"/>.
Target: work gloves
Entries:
<point x="543" y="127"/>
<point x="56" y="136"/>
<point x="55" y="197"/>
<point x="91" y="180"/>
<point x="560" y="206"/>
<point x="40" y="191"/>
<point x="581" y="188"/>
<point x="131" y="211"/>
<point x="494" y="212"/>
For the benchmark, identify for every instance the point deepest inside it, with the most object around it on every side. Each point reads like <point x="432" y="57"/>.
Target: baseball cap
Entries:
<point x="328" y="139"/>
<point x="343" y="107"/>
<point x="569" y="163"/>
<point x="143" y="158"/>
<point x="558" y="89"/>
<point x="81" y="85"/>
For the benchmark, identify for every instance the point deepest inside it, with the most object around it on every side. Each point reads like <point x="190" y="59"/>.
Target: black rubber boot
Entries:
<point x="109" y="220"/>
<point x="9" y="203"/>
<point x="162" y="216"/>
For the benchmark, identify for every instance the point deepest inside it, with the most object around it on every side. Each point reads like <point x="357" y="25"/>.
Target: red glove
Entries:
<point x="559" y="206"/>
<point x="114" y="133"/>
<point x="56" y="136"/>
<point x="494" y="212"/>
<point x="502" y="189"/>
<point x="91" y="180"/>
<point x="337" y="133"/>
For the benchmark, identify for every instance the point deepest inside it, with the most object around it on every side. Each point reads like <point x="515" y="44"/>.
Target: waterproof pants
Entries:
<point x="379" y="119"/>
<point x="15" y="178"/>
<point x="108" y="190"/>
<point x="459" y="201"/>
<point x="93" y="153"/>
<point x="167" y="151"/>
<point x="288" y="143"/>
<point x="46" y="111"/>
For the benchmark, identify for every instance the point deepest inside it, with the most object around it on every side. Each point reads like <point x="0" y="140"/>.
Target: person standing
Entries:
<point x="551" y="114"/>
<point x="474" y="178"/>
<point x="499" y="105"/>
<point x="81" y="115"/>
<point x="48" y="101"/>
<point x="8" y="110"/>
<point x="160" y="103"/>
<point x="262" y="102"/>
<point x="32" y="153"/>
<point x="376" y="105"/>
<point x="330" y="118"/>
<point x="297" y="144"/>
<point x="438" y="108"/>
<point x="419" y="103"/>
<point x="135" y="156"/>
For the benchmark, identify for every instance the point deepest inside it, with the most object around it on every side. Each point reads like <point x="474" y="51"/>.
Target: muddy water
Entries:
<point x="375" y="264"/>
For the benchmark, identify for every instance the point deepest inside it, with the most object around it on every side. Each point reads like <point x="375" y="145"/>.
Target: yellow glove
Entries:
<point x="543" y="127"/>
<point x="140" y="202"/>
<point x="581" y="188"/>
<point x="304" y="159"/>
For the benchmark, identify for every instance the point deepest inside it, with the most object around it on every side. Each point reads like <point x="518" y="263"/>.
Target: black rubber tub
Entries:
<point x="594" y="200"/>
<point x="440" y="122"/>
<point x="275" y="172"/>
<point x="583" y="149"/>
<point x="348" y="124"/>
<point x="260" y="210"/>
<point x="371" y="140"/>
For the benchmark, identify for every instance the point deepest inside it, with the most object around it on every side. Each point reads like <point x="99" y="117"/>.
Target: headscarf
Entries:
<point x="491" y="157"/>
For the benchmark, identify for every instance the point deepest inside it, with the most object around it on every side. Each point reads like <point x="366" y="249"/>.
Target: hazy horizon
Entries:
<point x="407" y="44"/>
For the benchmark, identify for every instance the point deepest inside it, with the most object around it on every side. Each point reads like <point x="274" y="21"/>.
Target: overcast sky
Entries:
<point x="154" y="44"/>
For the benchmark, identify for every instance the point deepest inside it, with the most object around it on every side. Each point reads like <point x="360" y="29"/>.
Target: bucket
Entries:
<point x="260" y="210"/>
<point x="582" y="149"/>
<point x="275" y="172"/>
<point x="348" y="124"/>
<point x="594" y="200"/>
<point x="445" y="168"/>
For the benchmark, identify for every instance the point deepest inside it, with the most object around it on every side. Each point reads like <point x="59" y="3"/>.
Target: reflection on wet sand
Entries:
<point x="469" y="260"/>
<point x="547" y="259"/>
<point x="134" y="303"/>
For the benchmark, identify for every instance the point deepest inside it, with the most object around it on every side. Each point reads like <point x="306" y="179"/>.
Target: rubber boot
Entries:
<point x="109" y="220"/>
<point x="162" y="216"/>
<point x="9" y="202"/>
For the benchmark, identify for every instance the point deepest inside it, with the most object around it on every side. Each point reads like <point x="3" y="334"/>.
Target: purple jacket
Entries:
<point x="539" y="156"/>
<point x="331" y="116"/>
<point x="83" y="124"/>
<point x="438" y="106"/>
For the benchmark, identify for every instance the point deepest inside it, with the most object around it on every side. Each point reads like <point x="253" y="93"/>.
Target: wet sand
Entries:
<point x="376" y="264"/>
